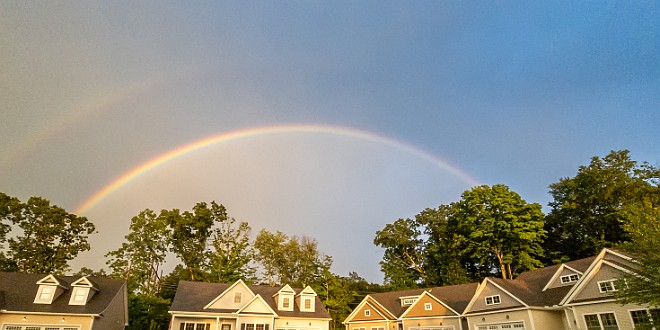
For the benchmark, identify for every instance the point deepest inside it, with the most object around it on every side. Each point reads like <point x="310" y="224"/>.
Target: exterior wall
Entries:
<point x="621" y="313"/>
<point x="84" y="322"/>
<point x="417" y="309"/>
<point x="547" y="319"/>
<point x="490" y="290"/>
<point x="590" y="290"/>
<point x="557" y="282"/>
<point x="114" y="316"/>
<point x="432" y="322"/>
<point x="374" y="313"/>
<point x="227" y="300"/>
<point x="514" y="316"/>
<point x="301" y="324"/>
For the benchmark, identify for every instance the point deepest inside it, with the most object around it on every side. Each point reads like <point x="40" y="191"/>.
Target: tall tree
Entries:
<point x="295" y="261"/>
<point x="231" y="256"/>
<point x="48" y="237"/>
<point x="191" y="233"/>
<point x="642" y="223"/>
<point x="140" y="258"/>
<point x="10" y="211"/>
<point x="586" y="213"/>
<point x="497" y="222"/>
<point x="403" y="263"/>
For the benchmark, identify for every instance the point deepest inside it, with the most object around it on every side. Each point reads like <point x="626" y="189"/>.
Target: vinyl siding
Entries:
<point x="506" y="301"/>
<point x="622" y="313"/>
<point x="85" y="322"/>
<point x="516" y="316"/>
<point x="417" y="310"/>
<point x="591" y="290"/>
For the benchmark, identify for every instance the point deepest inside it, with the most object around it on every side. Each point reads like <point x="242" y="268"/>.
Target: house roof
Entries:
<point x="455" y="296"/>
<point x="194" y="296"/>
<point x="18" y="290"/>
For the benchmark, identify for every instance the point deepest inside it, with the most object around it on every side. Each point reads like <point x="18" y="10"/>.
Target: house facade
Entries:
<point x="573" y="295"/>
<point x="49" y="302"/>
<point x="238" y="306"/>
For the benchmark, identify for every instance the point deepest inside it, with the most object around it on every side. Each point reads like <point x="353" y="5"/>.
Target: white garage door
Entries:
<point x="502" y="326"/>
<point x="38" y="327"/>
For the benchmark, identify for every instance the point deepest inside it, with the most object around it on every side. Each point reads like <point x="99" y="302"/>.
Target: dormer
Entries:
<point x="284" y="298"/>
<point x="408" y="301"/>
<point x="83" y="291"/>
<point x="49" y="289"/>
<point x="306" y="300"/>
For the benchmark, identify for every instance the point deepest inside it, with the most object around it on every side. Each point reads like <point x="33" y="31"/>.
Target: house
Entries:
<point x="571" y="296"/>
<point x="238" y="306"/>
<point x="49" y="302"/>
<point x="438" y="308"/>
<point x="530" y="301"/>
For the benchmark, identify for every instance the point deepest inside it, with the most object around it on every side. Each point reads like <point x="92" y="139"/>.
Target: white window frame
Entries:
<point x="570" y="278"/>
<point x="238" y="297"/>
<point x="492" y="300"/>
<point x="367" y="312"/>
<point x="408" y="301"/>
<point x="610" y="282"/>
<point x="378" y="328"/>
<point x="428" y="306"/>
<point x="45" y="294"/>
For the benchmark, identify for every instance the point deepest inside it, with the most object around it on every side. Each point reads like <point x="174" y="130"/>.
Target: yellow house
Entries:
<point x="438" y="308"/>
<point x="48" y="302"/>
<point x="238" y="306"/>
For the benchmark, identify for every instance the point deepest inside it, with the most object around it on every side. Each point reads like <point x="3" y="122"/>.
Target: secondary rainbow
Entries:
<point x="153" y="163"/>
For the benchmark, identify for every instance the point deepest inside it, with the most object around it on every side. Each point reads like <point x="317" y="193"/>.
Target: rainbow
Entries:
<point x="153" y="163"/>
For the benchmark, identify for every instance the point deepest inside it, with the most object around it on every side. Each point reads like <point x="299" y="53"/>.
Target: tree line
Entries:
<point x="490" y="231"/>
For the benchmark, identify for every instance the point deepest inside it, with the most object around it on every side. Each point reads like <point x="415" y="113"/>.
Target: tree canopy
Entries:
<point x="44" y="237"/>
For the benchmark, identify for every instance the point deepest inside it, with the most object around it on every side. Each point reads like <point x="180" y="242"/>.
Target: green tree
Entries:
<point x="191" y="233"/>
<point x="402" y="264"/>
<point x="497" y="222"/>
<point x="444" y="264"/>
<point x="48" y="237"/>
<point x="147" y="312"/>
<point x="10" y="210"/>
<point x="642" y="223"/>
<point x="141" y="257"/>
<point x="295" y="261"/>
<point x="586" y="213"/>
<point x="232" y="253"/>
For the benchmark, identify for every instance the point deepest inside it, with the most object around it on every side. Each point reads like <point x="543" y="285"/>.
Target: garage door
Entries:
<point x="37" y="327"/>
<point x="502" y="326"/>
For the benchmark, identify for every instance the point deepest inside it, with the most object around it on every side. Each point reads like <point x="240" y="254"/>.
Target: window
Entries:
<point x="194" y="326"/>
<point x="606" y="286"/>
<point x="428" y="306"/>
<point x="605" y="321"/>
<point x="226" y="327"/>
<point x="238" y="297"/>
<point x="408" y="301"/>
<point x="308" y="303"/>
<point x="285" y="302"/>
<point x="260" y="326"/>
<point x="367" y="312"/>
<point x="645" y="319"/>
<point x="252" y="326"/>
<point x="493" y="300"/>
<point x="570" y="278"/>
<point x="46" y="293"/>
<point x="377" y="328"/>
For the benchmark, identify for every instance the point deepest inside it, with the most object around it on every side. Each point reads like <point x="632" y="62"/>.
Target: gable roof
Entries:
<point x="456" y="297"/>
<point x="17" y="292"/>
<point x="195" y="296"/>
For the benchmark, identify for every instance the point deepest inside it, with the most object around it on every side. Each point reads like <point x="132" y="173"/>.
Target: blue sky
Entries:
<point x="513" y="92"/>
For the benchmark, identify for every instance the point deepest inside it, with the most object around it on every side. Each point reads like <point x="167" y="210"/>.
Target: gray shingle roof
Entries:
<point x="455" y="296"/>
<point x="193" y="296"/>
<point x="18" y="290"/>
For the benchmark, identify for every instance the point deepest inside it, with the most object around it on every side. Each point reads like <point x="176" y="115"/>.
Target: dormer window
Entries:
<point x="305" y="300"/>
<point x="493" y="300"/>
<point x="307" y="303"/>
<point x="49" y="289"/>
<point x="285" y="302"/>
<point x="407" y="301"/>
<point x="570" y="278"/>
<point x="83" y="290"/>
